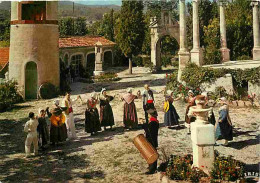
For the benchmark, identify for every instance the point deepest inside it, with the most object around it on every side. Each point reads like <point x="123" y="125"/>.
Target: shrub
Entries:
<point x="109" y="76"/>
<point x="180" y="168"/>
<point x="228" y="169"/>
<point x="244" y="57"/>
<point x="9" y="95"/>
<point x="166" y="60"/>
<point x="179" y="88"/>
<point x="48" y="91"/>
<point x="138" y="61"/>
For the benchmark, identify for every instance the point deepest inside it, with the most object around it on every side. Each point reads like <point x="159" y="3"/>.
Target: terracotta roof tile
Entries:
<point x="80" y="41"/>
<point x="83" y="41"/>
<point x="4" y="57"/>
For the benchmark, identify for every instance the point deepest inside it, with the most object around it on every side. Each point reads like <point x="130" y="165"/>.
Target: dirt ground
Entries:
<point x="111" y="156"/>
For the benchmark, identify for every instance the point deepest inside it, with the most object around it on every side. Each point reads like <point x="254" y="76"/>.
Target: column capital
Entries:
<point x="195" y="1"/>
<point x="183" y="1"/>
<point x="255" y="3"/>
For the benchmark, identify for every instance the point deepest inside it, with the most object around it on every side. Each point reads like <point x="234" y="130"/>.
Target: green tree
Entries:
<point x="80" y="26"/>
<point x="207" y="11"/>
<point x="66" y="27"/>
<point x="239" y="29"/>
<point x="108" y="25"/>
<point x="130" y="34"/>
<point x="212" y="42"/>
<point x="96" y="29"/>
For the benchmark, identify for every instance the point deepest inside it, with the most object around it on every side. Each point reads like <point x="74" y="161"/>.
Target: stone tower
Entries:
<point x="34" y="50"/>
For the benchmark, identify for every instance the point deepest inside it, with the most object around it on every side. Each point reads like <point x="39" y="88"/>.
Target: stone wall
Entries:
<point x="254" y="88"/>
<point x="225" y="82"/>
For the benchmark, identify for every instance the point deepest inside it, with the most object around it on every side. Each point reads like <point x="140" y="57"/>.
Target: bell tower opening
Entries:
<point x="33" y="10"/>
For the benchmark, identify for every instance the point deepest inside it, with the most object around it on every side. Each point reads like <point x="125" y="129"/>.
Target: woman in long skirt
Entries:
<point x="92" y="123"/>
<point x="106" y="113"/>
<point x="58" y="131"/>
<point x="43" y="132"/>
<point x="224" y="122"/>
<point x="130" y="115"/>
<point x="171" y="117"/>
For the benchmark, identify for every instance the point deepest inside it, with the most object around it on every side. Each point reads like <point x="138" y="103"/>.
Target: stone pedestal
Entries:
<point x="98" y="69"/>
<point x="256" y="53"/>
<point x="184" y="58"/>
<point x="98" y="73"/>
<point x="197" y="56"/>
<point x="225" y="54"/>
<point x="203" y="140"/>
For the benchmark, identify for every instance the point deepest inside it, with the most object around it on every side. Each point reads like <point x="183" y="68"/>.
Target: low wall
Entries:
<point x="225" y="82"/>
<point x="254" y="88"/>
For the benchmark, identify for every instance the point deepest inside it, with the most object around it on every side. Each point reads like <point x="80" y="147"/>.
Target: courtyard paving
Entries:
<point x="111" y="156"/>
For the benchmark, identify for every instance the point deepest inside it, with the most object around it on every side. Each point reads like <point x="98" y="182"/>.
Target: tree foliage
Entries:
<point x="72" y="26"/>
<point x="239" y="29"/>
<point x="130" y="34"/>
<point x="212" y="53"/>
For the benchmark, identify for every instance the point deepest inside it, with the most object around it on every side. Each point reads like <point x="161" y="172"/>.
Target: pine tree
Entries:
<point x="130" y="33"/>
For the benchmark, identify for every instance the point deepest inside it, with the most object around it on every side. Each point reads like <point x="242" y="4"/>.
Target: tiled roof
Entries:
<point x="83" y="41"/>
<point x="4" y="57"/>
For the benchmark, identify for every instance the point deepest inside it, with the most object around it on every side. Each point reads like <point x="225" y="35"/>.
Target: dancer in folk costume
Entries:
<point x="171" y="116"/>
<point x="130" y="115"/>
<point x="58" y="131"/>
<point x="148" y="100"/>
<point x="224" y="124"/>
<point x="211" y="116"/>
<point x="151" y="133"/>
<point x="43" y="131"/>
<point x="106" y="112"/>
<point x="92" y="123"/>
<point x="68" y="102"/>
<point x="32" y="138"/>
<point x="190" y="99"/>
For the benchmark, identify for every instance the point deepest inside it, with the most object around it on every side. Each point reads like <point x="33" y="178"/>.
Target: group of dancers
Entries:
<point x="62" y="124"/>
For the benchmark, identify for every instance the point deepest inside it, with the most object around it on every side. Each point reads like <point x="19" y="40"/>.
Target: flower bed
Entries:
<point x="106" y="77"/>
<point x="179" y="168"/>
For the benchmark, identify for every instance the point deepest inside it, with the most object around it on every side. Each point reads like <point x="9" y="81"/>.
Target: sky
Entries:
<point x="100" y="2"/>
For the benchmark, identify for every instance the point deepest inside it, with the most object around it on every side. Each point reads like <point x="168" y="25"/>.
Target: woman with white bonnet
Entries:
<point x="106" y="113"/>
<point x="92" y="123"/>
<point x="224" y="122"/>
<point x="190" y="99"/>
<point x="171" y="117"/>
<point x="130" y="115"/>
<point x="211" y="117"/>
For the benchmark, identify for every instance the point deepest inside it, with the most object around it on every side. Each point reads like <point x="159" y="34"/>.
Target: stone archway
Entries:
<point x="158" y="30"/>
<point x="31" y="80"/>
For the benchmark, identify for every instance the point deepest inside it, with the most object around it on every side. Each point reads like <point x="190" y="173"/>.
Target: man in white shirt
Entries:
<point x="31" y="128"/>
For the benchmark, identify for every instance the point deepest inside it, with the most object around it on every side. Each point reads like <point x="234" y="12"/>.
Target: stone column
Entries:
<point x="196" y="52"/>
<point x="184" y="55"/>
<point x="256" y="31"/>
<point x="155" y="44"/>
<point x="223" y="38"/>
<point x="99" y="54"/>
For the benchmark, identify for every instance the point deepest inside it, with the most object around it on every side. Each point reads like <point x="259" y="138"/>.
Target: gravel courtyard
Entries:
<point x="111" y="156"/>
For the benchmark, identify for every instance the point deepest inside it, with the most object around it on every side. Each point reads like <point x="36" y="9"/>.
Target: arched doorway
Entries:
<point x="166" y="50"/>
<point x="108" y="59"/>
<point x="31" y="80"/>
<point x="90" y="65"/>
<point x="169" y="50"/>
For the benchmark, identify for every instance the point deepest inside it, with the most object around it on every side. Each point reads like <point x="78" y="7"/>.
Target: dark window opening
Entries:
<point x="34" y="11"/>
